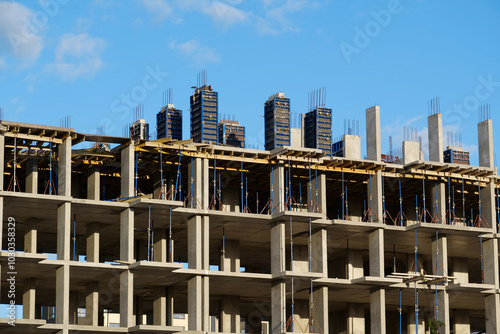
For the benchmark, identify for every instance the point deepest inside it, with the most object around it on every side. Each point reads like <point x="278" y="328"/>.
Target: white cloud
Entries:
<point x="77" y="56"/>
<point x="160" y="9"/>
<point x="277" y="16"/>
<point x="19" y="31"/>
<point x="226" y="14"/>
<point x="198" y="53"/>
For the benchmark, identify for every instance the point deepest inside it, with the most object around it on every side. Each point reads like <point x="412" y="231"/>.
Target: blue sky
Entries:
<point x="96" y="60"/>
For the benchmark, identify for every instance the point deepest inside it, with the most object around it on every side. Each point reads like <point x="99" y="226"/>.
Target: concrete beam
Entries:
<point x="64" y="168"/>
<point x="485" y="144"/>
<point x="63" y="231"/>
<point x="93" y="242"/>
<point x="377" y="311"/>
<point x="435" y="126"/>
<point x="92" y="304"/>
<point x="127" y="171"/>
<point x="376" y="253"/>
<point x="29" y="298"/>
<point x="373" y="142"/>
<point x="127" y="235"/>
<point x="94" y="183"/>
<point x="32" y="176"/>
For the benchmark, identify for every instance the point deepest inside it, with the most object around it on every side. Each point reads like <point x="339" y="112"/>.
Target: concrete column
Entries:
<point x="460" y="270"/>
<point x="138" y="311"/>
<point x="30" y="237"/>
<point x="198" y="294"/>
<point x="127" y="235"/>
<point x="63" y="231"/>
<point x="492" y="304"/>
<point x="32" y="176"/>
<point x="412" y="326"/>
<point x="278" y="188"/>
<point x="411" y="152"/>
<point x="440" y="267"/>
<point x="73" y="308"/>
<point x="127" y="171"/>
<point x="92" y="304"/>
<point x="160" y="306"/>
<point x="376" y="253"/>
<point x="319" y="256"/>
<point x="355" y="264"/>
<point x="485" y="144"/>
<point x="373" y="142"/>
<point x="62" y="295"/>
<point x="170" y="306"/>
<point x="320" y="310"/>
<point x="230" y="259"/>
<point x="2" y="159"/>
<point x="490" y="255"/>
<point x="230" y="314"/>
<point x="377" y="311"/>
<point x="488" y="208"/>
<point x="64" y="168"/>
<point x="438" y="203"/>
<point x="352" y="147"/>
<point x="462" y="322"/>
<point x="375" y="198"/>
<point x="126" y="299"/>
<point x="355" y="319"/>
<point x="435" y="126"/>
<point x="94" y="183"/>
<point x="198" y="287"/>
<point x="491" y="276"/>
<point x="160" y="247"/>
<point x="317" y="189"/>
<point x="278" y="286"/>
<point x="29" y="298"/>
<point x="93" y="242"/>
<point x="198" y="170"/>
<point x="300" y="258"/>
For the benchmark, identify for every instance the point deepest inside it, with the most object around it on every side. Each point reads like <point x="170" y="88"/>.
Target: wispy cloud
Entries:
<point x="160" y="9"/>
<point x="77" y="56"/>
<point x="17" y="38"/>
<point x="197" y="53"/>
<point x="276" y="18"/>
<point x="225" y="14"/>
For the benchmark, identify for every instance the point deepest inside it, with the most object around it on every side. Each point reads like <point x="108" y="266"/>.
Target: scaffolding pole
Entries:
<point x="170" y="250"/>
<point x="178" y="178"/>
<point x="423" y="199"/>
<point x="437" y="273"/>
<point x="291" y="269"/>
<point x="74" y="237"/>
<point x="463" y="199"/>
<point x="416" y="292"/>
<point x="343" y="197"/>
<point x="162" y="185"/>
<point x="401" y="215"/>
<point x="149" y="232"/>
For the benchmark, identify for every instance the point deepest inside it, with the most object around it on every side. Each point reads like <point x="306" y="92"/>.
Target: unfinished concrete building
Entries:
<point x="288" y="240"/>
